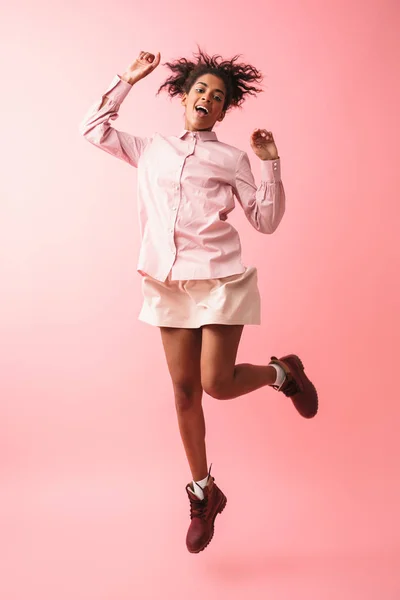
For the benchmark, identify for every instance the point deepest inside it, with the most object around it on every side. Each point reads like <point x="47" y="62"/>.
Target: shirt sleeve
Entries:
<point x="264" y="206"/>
<point x="97" y="129"/>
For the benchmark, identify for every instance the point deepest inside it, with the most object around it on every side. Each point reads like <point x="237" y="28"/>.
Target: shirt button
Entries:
<point x="174" y="208"/>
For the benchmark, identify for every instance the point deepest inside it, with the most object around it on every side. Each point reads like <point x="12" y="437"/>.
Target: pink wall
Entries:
<point x="93" y="505"/>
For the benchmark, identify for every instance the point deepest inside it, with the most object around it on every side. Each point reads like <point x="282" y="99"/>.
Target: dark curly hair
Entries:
<point x="237" y="77"/>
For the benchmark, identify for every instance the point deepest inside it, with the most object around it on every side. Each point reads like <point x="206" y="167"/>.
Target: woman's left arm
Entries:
<point x="264" y="206"/>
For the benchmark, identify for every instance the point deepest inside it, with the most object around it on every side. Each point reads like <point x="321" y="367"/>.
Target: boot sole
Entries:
<point x="219" y="511"/>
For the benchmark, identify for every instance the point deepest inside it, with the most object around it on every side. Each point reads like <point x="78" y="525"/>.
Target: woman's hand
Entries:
<point x="141" y="67"/>
<point x="262" y="142"/>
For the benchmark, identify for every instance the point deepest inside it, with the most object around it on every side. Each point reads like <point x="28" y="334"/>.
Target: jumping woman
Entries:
<point x="195" y="286"/>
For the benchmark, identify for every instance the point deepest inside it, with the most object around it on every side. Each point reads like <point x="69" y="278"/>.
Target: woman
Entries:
<point x="195" y="287"/>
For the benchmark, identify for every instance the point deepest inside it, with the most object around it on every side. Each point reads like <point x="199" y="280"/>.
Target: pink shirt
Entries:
<point x="187" y="185"/>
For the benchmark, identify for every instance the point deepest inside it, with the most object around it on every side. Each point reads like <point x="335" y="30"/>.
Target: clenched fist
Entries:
<point x="263" y="144"/>
<point x="141" y="67"/>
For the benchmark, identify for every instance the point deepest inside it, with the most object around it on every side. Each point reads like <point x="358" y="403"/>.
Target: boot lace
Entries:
<point x="198" y="508"/>
<point x="289" y="386"/>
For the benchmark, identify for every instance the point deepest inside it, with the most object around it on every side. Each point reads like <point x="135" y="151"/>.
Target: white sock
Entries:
<point x="280" y="374"/>
<point x="199" y="490"/>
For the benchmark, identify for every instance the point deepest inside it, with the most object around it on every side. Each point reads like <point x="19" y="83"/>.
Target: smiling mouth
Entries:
<point x="202" y="110"/>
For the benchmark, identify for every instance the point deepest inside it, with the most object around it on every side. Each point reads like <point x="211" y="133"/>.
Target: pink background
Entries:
<point x="92" y="498"/>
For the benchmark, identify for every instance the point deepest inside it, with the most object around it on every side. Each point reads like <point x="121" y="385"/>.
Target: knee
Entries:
<point x="187" y="394"/>
<point x="217" y="386"/>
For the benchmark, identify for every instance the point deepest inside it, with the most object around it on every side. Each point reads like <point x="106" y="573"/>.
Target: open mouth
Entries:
<point x="201" y="110"/>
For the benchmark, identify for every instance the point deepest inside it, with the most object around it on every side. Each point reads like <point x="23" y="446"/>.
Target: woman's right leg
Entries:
<point x="183" y="351"/>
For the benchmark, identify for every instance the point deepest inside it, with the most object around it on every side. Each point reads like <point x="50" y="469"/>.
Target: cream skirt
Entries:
<point x="233" y="300"/>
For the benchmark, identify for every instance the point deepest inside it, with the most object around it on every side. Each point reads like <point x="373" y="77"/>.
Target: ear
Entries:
<point x="221" y="117"/>
<point x="183" y="100"/>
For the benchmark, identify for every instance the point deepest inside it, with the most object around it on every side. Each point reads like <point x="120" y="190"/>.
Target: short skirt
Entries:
<point x="233" y="300"/>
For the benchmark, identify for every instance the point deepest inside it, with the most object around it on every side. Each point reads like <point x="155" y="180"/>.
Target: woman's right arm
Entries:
<point x="96" y="126"/>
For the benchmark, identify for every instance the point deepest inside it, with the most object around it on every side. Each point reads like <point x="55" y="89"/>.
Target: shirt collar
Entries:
<point x="201" y="135"/>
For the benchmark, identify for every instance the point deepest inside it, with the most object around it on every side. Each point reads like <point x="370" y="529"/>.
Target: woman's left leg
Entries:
<point x="221" y="377"/>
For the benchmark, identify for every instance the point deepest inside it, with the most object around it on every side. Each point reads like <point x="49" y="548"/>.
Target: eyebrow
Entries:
<point x="205" y="85"/>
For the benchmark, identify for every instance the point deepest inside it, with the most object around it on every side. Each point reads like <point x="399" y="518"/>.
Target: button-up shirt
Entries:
<point x="186" y="187"/>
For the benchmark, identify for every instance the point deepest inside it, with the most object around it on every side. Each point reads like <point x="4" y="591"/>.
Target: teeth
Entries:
<point x="202" y="108"/>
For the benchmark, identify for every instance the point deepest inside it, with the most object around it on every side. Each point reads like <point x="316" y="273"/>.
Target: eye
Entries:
<point x="199" y="90"/>
<point x="218" y="98"/>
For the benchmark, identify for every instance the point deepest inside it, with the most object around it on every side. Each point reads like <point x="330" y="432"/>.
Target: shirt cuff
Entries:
<point x="271" y="170"/>
<point x="118" y="89"/>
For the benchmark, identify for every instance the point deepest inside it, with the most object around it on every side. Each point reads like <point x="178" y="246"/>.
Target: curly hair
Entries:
<point x="237" y="77"/>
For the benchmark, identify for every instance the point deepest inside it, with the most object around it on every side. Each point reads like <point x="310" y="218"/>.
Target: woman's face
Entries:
<point x="204" y="103"/>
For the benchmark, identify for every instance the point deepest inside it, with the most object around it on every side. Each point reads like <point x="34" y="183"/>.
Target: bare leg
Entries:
<point x="221" y="378"/>
<point x="247" y="378"/>
<point x="182" y="350"/>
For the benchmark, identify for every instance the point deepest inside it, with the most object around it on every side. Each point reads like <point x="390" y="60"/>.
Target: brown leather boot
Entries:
<point x="297" y="386"/>
<point x="203" y="514"/>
